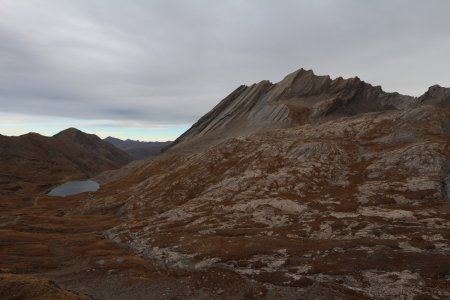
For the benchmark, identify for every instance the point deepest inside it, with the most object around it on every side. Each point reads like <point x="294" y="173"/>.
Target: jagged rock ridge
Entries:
<point x="301" y="97"/>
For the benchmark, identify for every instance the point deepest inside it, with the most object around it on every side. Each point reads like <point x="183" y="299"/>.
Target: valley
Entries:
<point x="138" y="149"/>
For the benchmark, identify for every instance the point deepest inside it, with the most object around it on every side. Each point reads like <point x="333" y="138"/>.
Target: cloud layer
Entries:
<point x="168" y="62"/>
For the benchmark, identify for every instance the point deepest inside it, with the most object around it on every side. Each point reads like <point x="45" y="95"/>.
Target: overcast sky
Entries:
<point x="149" y="69"/>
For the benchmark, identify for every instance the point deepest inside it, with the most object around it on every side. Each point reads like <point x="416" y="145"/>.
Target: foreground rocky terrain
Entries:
<point x="310" y="188"/>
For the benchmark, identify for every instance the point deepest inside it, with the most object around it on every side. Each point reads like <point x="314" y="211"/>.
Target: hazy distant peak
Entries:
<point x="138" y="149"/>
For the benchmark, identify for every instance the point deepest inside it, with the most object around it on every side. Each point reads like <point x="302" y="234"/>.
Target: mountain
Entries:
<point x="301" y="97"/>
<point x="33" y="162"/>
<point x="138" y="149"/>
<point x="310" y="188"/>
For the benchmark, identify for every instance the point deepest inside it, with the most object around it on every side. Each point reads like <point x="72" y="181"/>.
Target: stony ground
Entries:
<point x="360" y="205"/>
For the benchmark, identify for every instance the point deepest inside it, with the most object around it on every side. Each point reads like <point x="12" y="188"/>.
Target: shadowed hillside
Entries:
<point x="33" y="162"/>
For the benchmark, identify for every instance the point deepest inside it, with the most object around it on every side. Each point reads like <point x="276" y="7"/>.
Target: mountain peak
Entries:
<point x="32" y="135"/>
<point x="300" y="97"/>
<point x="112" y="139"/>
<point x="436" y="95"/>
<point x="71" y="131"/>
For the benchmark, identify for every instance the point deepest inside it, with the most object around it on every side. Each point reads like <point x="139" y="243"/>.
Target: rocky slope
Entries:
<point x="310" y="188"/>
<point x="310" y="183"/>
<point x="33" y="162"/>
<point x="138" y="149"/>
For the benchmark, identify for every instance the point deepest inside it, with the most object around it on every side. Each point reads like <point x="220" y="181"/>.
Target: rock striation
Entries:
<point x="301" y="97"/>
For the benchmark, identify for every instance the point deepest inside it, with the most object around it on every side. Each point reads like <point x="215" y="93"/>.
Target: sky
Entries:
<point x="147" y="70"/>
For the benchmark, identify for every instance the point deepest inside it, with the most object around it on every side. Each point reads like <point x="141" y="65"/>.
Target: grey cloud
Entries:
<point x="171" y="61"/>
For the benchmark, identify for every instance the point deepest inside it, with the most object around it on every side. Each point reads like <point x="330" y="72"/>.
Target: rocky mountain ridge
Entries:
<point x="300" y="98"/>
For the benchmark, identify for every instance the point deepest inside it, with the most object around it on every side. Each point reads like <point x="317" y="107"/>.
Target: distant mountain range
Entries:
<point x="138" y="149"/>
<point x="32" y="162"/>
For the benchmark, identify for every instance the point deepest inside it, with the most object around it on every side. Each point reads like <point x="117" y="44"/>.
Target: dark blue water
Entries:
<point x="74" y="187"/>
